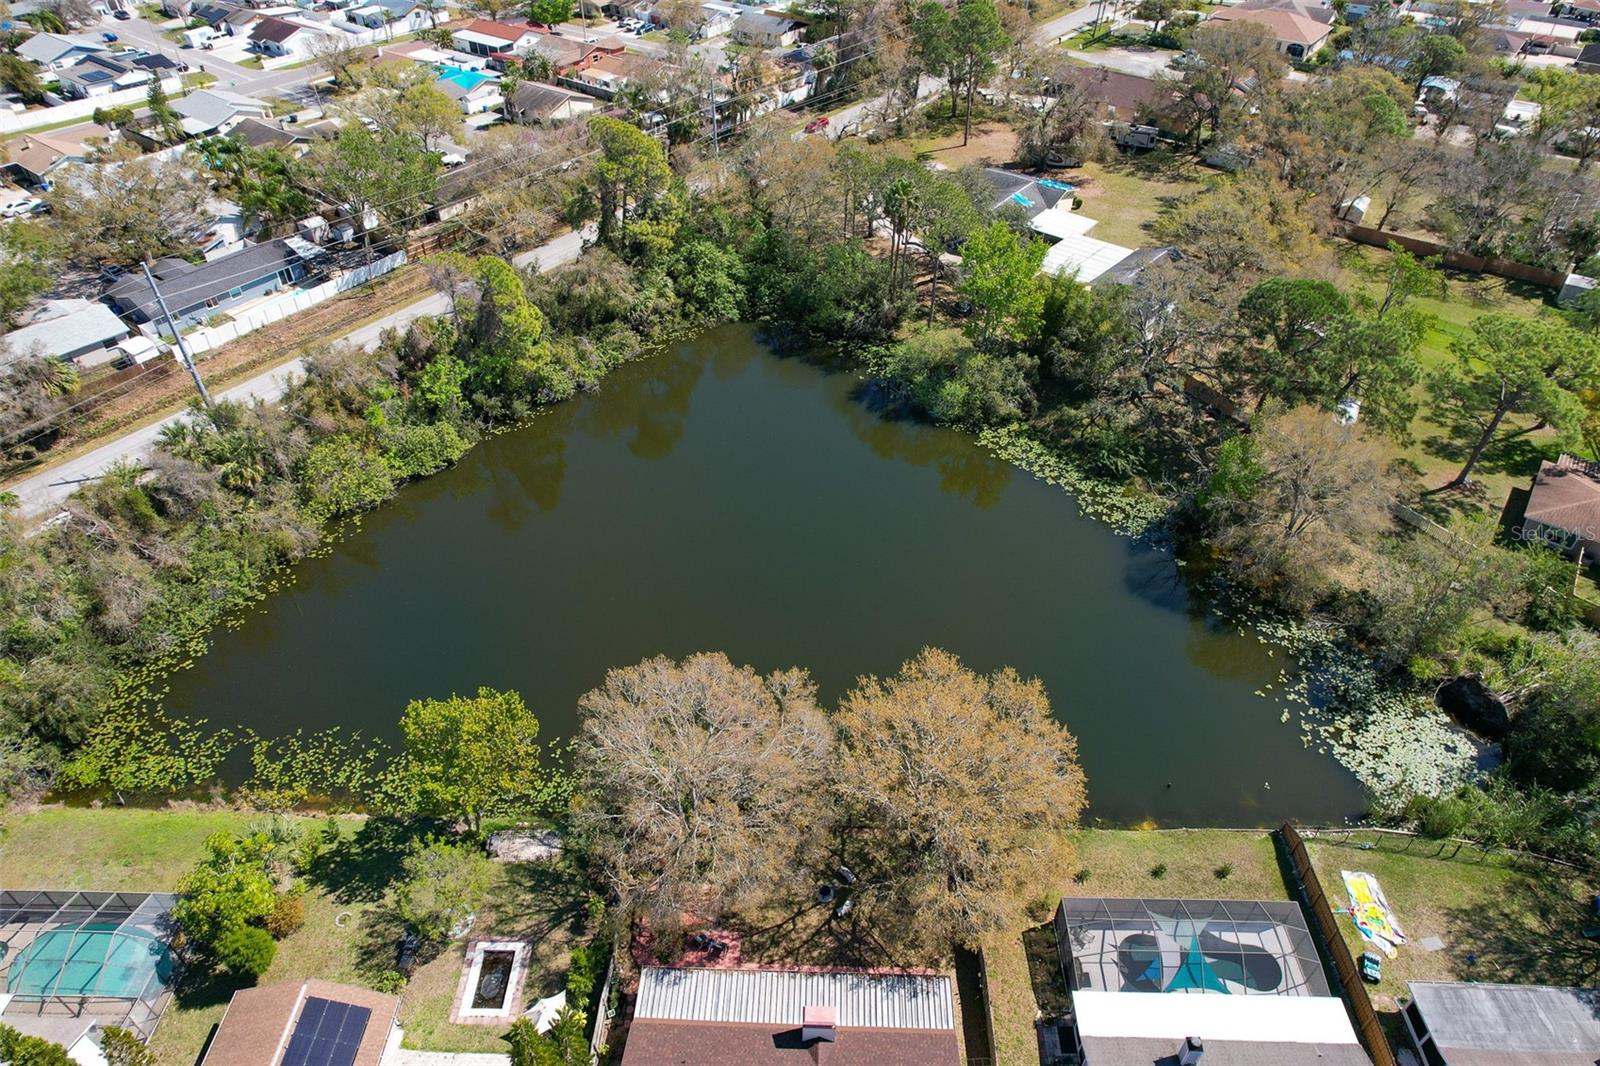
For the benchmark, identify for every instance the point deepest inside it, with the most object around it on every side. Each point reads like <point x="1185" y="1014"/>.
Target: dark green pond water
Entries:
<point x="718" y="497"/>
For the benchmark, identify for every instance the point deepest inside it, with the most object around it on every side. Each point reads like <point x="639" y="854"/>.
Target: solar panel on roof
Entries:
<point x="327" y="1034"/>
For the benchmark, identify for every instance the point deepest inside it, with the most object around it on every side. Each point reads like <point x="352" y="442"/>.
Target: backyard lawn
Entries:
<point x="1496" y="921"/>
<point x="1436" y="452"/>
<point x="349" y="935"/>
<point x="1124" y="195"/>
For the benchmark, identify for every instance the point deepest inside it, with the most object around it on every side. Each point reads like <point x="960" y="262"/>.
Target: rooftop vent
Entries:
<point x="1191" y="1051"/>
<point x="819" y="1023"/>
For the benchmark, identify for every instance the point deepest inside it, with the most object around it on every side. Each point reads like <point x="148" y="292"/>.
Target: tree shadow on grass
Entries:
<point x="1530" y="934"/>
<point x="360" y="868"/>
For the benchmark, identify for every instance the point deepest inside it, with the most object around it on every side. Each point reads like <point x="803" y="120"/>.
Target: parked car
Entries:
<point x="109" y="37"/>
<point x="18" y="205"/>
<point x="120" y="15"/>
<point x="817" y="124"/>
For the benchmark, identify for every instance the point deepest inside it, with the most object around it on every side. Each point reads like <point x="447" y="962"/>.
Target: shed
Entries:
<point x="1482" y="1024"/>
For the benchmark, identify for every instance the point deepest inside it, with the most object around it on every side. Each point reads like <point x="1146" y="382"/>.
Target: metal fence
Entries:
<point x="1354" y="992"/>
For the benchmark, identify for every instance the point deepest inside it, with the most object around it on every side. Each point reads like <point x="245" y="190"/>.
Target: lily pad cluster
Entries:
<point x="1129" y="511"/>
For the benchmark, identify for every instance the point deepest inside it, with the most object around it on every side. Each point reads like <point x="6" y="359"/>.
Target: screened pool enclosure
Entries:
<point x="100" y="955"/>
<point x="1227" y="947"/>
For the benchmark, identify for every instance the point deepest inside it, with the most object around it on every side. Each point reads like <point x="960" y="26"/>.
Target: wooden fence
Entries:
<point x="1474" y="264"/>
<point x="983" y="1056"/>
<point x="1354" y="991"/>
<point x="602" y="1011"/>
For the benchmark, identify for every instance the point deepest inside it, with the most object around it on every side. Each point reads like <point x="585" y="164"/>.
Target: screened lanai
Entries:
<point x="101" y="955"/>
<point x="1227" y="947"/>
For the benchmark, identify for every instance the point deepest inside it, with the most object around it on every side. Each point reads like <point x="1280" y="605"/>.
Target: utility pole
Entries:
<point x="183" y="346"/>
<point x="711" y="97"/>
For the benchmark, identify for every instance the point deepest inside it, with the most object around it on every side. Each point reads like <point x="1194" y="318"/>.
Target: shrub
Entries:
<point x="288" y="914"/>
<point x="389" y="982"/>
<point x="123" y="1048"/>
<point x="228" y="889"/>
<point x="1222" y="872"/>
<point x="1081" y="877"/>
<point x="417" y="451"/>
<point x="247" y="951"/>
<point x="340" y="477"/>
<point x="1158" y="871"/>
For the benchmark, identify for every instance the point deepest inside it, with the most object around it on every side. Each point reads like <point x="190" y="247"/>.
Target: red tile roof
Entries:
<point x="499" y="30"/>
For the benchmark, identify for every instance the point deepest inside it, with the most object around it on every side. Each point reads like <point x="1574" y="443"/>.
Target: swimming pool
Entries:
<point x="90" y="960"/>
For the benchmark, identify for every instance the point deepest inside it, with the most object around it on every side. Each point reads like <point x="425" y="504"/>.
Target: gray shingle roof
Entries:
<point x="74" y="326"/>
<point x="187" y="284"/>
<point x="210" y="108"/>
<point x="1511" y="1025"/>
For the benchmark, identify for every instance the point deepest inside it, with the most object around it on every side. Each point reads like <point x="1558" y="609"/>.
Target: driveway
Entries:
<point x="45" y="491"/>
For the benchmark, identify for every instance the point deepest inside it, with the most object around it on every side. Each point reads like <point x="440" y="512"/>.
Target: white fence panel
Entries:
<point x="15" y="121"/>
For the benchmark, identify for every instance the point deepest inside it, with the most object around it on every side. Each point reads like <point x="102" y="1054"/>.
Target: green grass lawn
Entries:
<point x="1499" y="921"/>
<point x="1436" y="451"/>
<point x="1125" y="195"/>
<point x="350" y="932"/>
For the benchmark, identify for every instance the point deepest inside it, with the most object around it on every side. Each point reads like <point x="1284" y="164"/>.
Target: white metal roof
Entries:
<point x="778" y="997"/>
<point x="1175" y="1015"/>
<point x="1054" y="222"/>
<point x="1085" y="257"/>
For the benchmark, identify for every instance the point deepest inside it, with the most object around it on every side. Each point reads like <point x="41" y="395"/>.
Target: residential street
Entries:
<point x="291" y="83"/>
<point x="42" y="493"/>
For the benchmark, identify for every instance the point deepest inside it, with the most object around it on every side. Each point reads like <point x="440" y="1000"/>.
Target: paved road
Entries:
<point x="44" y="492"/>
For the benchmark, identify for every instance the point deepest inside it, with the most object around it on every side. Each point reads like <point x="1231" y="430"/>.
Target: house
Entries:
<point x="473" y="91"/>
<point x="1311" y="9"/>
<point x="762" y="30"/>
<point x="33" y="157"/>
<point x="74" y="329"/>
<point x="260" y="133"/>
<point x="230" y="20"/>
<point x="75" y="1035"/>
<point x="1583" y="10"/>
<point x="305" y="1022"/>
<point x="274" y="36"/>
<point x="716" y="18"/>
<point x="1124" y="97"/>
<point x="399" y="16"/>
<point x="535" y="104"/>
<point x="1482" y="1024"/>
<point x="1564" y="506"/>
<point x="1588" y="61"/>
<point x="483" y="37"/>
<point x="1298" y="36"/>
<point x="567" y="55"/>
<point x="99" y="75"/>
<point x="213" y="112"/>
<point x="55" y="51"/>
<point x="750" y="1017"/>
<point x="195" y="293"/>
<point x="1214" y="982"/>
<point x="606" y="76"/>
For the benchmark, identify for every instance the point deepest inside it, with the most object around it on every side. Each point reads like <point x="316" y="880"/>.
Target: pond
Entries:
<point x="717" y="497"/>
